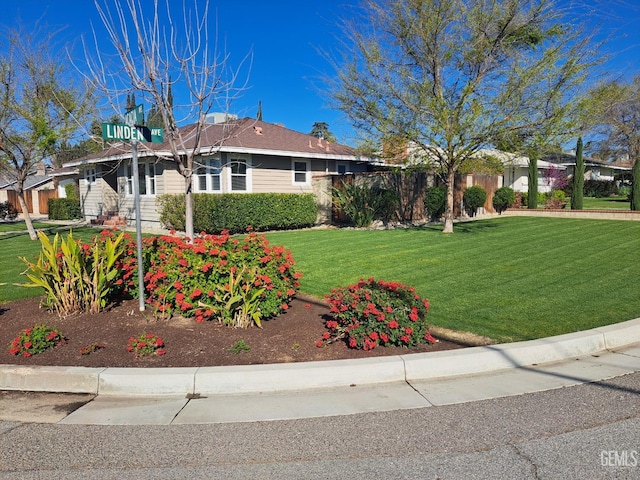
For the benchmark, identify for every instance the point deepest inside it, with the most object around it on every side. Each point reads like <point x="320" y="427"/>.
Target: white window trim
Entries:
<point x="128" y="179"/>
<point x="208" y="171"/>
<point x="307" y="172"/>
<point x="244" y="159"/>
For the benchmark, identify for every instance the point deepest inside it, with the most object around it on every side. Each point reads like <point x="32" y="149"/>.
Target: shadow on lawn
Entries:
<point x="466" y="227"/>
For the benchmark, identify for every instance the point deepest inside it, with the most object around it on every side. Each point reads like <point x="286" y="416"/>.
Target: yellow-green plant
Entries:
<point x="237" y="304"/>
<point x="76" y="276"/>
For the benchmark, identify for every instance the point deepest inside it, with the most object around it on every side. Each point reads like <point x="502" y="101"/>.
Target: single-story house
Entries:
<point x="593" y="169"/>
<point x="237" y="156"/>
<point x="38" y="188"/>
<point x="516" y="172"/>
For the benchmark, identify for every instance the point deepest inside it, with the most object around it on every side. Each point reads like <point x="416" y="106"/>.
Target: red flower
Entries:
<point x="384" y="337"/>
<point x="28" y="344"/>
<point x="285" y="306"/>
<point x="408" y="330"/>
<point x="353" y="343"/>
<point x="307" y="306"/>
<point x="405" y="338"/>
<point x="177" y="285"/>
<point x="393" y="324"/>
<point x="326" y="335"/>
<point x="161" y="352"/>
<point x="319" y="344"/>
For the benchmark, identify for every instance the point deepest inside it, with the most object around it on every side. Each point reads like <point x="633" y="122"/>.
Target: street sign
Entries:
<point x="119" y="131"/>
<point x="135" y="116"/>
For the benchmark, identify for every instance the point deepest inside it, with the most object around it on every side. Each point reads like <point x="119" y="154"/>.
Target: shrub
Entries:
<point x="374" y="312"/>
<point x="217" y="277"/>
<point x="503" y="198"/>
<point x="76" y="276"/>
<point x="8" y="211"/>
<point x="36" y="339"/>
<point x="146" y="344"/>
<point x="555" y="199"/>
<point x="435" y="201"/>
<point x="474" y="198"/>
<point x="64" y="209"/>
<point x="600" y="188"/>
<point x="362" y="204"/>
<point x="235" y="212"/>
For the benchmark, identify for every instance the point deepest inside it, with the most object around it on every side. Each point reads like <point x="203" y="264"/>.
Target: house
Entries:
<point x="593" y="169"/>
<point x="38" y="188"/>
<point x="237" y="156"/>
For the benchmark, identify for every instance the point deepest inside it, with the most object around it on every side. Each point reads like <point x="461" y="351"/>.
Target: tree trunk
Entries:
<point x="27" y="217"/>
<point x="188" y="209"/>
<point x="448" y="211"/>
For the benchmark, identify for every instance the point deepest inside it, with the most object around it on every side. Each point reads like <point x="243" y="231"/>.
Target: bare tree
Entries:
<point x="453" y="76"/>
<point x="153" y="47"/>
<point x="40" y="106"/>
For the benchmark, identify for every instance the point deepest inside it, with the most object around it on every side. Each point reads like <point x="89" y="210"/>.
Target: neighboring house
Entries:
<point x="593" y="169"/>
<point x="238" y="156"/>
<point x="516" y="171"/>
<point x="38" y="188"/>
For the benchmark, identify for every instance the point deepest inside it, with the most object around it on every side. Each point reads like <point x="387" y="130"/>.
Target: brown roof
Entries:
<point x="242" y="135"/>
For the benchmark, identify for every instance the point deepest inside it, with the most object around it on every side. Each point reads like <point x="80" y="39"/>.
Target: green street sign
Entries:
<point x="135" y="116"/>
<point x="119" y="131"/>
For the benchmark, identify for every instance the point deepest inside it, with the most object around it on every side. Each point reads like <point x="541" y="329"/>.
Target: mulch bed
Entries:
<point x="292" y="337"/>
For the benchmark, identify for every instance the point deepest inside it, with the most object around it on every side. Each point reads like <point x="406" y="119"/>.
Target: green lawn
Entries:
<point x="14" y="245"/>
<point x="608" y="203"/>
<point x="20" y="226"/>
<point x="511" y="278"/>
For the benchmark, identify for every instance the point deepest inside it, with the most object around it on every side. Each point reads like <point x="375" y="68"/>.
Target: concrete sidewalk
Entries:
<point x="126" y="396"/>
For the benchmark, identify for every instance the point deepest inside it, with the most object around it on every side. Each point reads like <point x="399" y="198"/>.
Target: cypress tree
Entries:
<point x="532" y="196"/>
<point x="577" y="183"/>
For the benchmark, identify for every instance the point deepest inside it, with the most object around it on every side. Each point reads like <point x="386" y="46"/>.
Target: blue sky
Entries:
<point x="286" y="35"/>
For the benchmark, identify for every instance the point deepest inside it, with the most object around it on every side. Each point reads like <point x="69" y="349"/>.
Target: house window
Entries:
<point x="341" y="168"/>
<point x="239" y="175"/>
<point x="90" y="175"/>
<point x="208" y="176"/>
<point x="300" y="172"/>
<point x="146" y="178"/>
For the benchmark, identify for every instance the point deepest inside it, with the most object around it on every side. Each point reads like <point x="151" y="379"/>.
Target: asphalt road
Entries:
<point x="588" y="431"/>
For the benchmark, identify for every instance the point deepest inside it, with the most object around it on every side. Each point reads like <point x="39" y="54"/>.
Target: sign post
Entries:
<point x="134" y="131"/>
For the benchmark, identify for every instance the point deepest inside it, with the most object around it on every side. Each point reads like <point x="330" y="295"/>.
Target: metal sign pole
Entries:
<point x="136" y="202"/>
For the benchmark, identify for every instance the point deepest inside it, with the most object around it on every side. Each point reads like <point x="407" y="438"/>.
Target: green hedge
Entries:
<point x="64" y="209"/>
<point x="236" y="211"/>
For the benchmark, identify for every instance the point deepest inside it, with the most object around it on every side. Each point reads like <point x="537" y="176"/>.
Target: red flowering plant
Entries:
<point x="374" y="312"/>
<point x="146" y="344"/>
<point x="192" y="279"/>
<point x="36" y="339"/>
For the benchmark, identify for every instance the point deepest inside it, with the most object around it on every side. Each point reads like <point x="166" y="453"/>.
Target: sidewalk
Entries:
<point x="317" y="389"/>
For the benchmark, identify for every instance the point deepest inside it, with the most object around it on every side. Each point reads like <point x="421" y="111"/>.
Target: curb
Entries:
<point x="244" y="379"/>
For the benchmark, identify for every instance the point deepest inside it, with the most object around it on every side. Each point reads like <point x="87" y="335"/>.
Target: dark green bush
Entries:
<point x="600" y="188"/>
<point x="64" y="209"/>
<point x="362" y="204"/>
<point x="435" y="201"/>
<point x="7" y="211"/>
<point x="503" y="199"/>
<point x="237" y="211"/>
<point x="474" y="198"/>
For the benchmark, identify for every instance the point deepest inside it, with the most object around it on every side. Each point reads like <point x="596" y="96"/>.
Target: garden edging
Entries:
<point x="243" y="379"/>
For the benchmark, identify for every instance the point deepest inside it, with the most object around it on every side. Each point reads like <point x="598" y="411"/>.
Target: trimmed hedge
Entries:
<point x="64" y="209"/>
<point x="237" y="211"/>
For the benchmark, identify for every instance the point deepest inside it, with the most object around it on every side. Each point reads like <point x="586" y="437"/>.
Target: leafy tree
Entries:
<point x="577" y="183"/>
<point x="321" y="130"/>
<point x="40" y="106"/>
<point x="616" y="107"/>
<point x="454" y="76"/>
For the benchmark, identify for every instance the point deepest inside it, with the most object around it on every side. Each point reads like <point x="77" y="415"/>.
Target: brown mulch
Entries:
<point x="292" y="337"/>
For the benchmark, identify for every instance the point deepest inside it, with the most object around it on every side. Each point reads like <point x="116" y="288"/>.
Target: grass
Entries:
<point x="607" y="203"/>
<point x="15" y="245"/>
<point x="512" y="278"/>
<point x="20" y="226"/>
